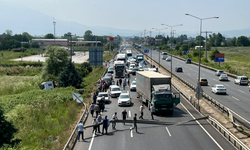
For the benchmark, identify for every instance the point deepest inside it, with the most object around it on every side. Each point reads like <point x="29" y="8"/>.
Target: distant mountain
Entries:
<point x="19" y="19"/>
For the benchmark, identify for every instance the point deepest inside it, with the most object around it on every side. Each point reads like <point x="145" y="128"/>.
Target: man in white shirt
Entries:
<point x="141" y="110"/>
<point x="95" y="125"/>
<point x="114" y="118"/>
<point x="152" y="111"/>
<point x="80" y="130"/>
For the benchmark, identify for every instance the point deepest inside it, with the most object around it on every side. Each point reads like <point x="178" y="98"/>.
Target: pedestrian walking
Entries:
<point x="97" y="109"/>
<point x="120" y="81"/>
<point x="114" y="118"/>
<point x="135" y="123"/>
<point x="128" y="83"/>
<point x="102" y="104"/>
<point x="94" y="97"/>
<point x="152" y="110"/>
<point x="124" y="115"/>
<point x="105" y="125"/>
<point x="113" y="82"/>
<point x="103" y="86"/>
<point x="95" y="124"/>
<point x="92" y="109"/>
<point x="117" y="82"/>
<point x="80" y="131"/>
<point x="124" y="84"/>
<point x="99" y="121"/>
<point x="141" y="110"/>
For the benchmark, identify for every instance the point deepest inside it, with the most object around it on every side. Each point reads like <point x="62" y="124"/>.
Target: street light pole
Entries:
<point x="54" y="23"/>
<point x="171" y="48"/>
<point x="199" y="72"/>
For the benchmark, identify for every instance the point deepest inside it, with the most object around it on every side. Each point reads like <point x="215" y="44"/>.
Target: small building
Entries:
<point x="46" y="42"/>
<point x="16" y="49"/>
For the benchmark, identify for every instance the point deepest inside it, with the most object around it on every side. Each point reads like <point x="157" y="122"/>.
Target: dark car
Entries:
<point x="178" y="69"/>
<point x="109" y="75"/>
<point x="188" y="61"/>
<point x="111" y="70"/>
<point x="107" y="80"/>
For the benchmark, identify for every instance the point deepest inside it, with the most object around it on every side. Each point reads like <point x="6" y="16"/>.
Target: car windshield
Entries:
<point x="111" y="63"/>
<point x="133" y="83"/>
<point x="116" y="89"/>
<point x="163" y="96"/>
<point x="124" y="96"/>
<point x="244" y="78"/>
<point x="220" y="71"/>
<point x="110" y="69"/>
<point x="221" y="87"/>
<point x="223" y="75"/>
<point x="203" y="79"/>
<point x="100" y="95"/>
<point x="108" y="74"/>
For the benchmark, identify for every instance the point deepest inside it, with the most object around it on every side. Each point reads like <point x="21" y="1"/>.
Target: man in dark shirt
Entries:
<point x="135" y="125"/>
<point x="124" y="115"/>
<point x="105" y="125"/>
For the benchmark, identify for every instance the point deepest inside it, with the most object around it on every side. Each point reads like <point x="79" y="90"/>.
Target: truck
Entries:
<point x="139" y="58"/>
<point x="128" y="53"/>
<point x="119" y="69"/>
<point x="48" y="85"/>
<point x="121" y="57"/>
<point x="154" y="88"/>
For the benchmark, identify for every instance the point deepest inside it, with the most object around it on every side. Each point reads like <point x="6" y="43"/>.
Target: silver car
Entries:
<point x="223" y="77"/>
<point x="219" y="72"/>
<point x="241" y="80"/>
<point x="219" y="88"/>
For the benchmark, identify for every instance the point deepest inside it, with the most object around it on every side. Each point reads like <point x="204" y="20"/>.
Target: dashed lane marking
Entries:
<point x="131" y="132"/>
<point x="129" y="113"/>
<point x="241" y="91"/>
<point x="214" y="79"/>
<point x="235" y="98"/>
<point x="92" y="140"/>
<point x="168" y="131"/>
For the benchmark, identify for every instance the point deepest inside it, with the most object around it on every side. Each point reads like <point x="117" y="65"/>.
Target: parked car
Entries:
<point x="107" y="80"/>
<point x="112" y="60"/>
<point x="203" y="81"/>
<point x="223" y="77"/>
<point x="109" y="75"/>
<point x="124" y="99"/>
<point x="168" y="58"/>
<point x="241" y="80"/>
<point x="219" y="88"/>
<point x="219" y="72"/>
<point x="188" y="61"/>
<point x="178" y="69"/>
<point x="114" y="91"/>
<point x="133" y="86"/>
<point x="101" y="94"/>
<point x="111" y="70"/>
<point x="132" y="70"/>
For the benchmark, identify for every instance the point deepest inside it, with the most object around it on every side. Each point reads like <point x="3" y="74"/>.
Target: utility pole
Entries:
<point x="70" y="35"/>
<point x="54" y="23"/>
<point x="206" y="42"/>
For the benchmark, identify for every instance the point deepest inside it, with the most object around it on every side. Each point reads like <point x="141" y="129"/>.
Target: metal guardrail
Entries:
<point x="73" y="137"/>
<point x="234" y="140"/>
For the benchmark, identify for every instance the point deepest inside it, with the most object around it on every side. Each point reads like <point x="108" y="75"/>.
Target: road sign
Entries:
<point x="151" y="40"/>
<point x="146" y="51"/>
<point x="186" y="52"/>
<point x="167" y="47"/>
<point x="95" y="56"/>
<point x="139" y="47"/>
<point x="219" y="57"/>
<point x="77" y="98"/>
<point x="198" y="91"/>
<point x="111" y="38"/>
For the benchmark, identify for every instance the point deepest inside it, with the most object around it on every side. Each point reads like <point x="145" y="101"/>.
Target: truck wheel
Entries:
<point x="171" y="112"/>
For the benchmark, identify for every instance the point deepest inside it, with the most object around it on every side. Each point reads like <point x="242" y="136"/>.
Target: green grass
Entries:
<point x="107" y="56"/>
<point x="21" y="71"/>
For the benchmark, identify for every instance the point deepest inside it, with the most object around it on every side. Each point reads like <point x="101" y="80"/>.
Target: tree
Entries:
<point x="34" y="45"/>
<point x="57" y="60"/>
<point x="7" y="131"/>
<point x="243" y="41"/>
<point x="177" y="46"/>
<point x="218" y="39"/>
<point x="69" y="76"/>
<point x="87" y="66"/>
<point x="196" y="53"/>
<point x="9" y="32"/>
<point x="212" y="54"/>
<point x="88" y="36"/>
<point x="49" y="36"/>
<point x="184" y="47"/>
<point x="198" y="40"/>
<point x="233" y="41"/>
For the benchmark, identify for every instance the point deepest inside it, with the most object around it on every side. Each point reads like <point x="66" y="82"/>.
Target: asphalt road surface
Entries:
<point x="237" y="97"/>
<point x="194" y="135"/>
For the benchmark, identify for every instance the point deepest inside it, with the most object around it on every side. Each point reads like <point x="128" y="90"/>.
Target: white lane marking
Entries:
<point x="129" y="114"/>
<point x="214" y="79"/>
<point x="202" y="127"/>
<point x="235" y="98"/>
<point x="92" y="140"/>
<point x="189" y="74"/>
<point x="168" y="131"/>
<point x="226" y="84"/>
<point x="241" y="91"/>
<point x="131" y="132"/>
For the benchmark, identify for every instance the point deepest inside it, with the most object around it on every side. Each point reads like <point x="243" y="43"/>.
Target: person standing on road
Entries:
<point x="97" y="109"/>
<point x="113" y="82"/>
<point x="124" y="115"/>
<point x="80" y="131"/>
<point x="114" y="118"/>
<point x="152" y="111"/>
<point x="135" y="125"/>
<point x="105" y="125"/>
<point x="141" y="110"/>
<point x="120" y="81"/>
<point x="92" y="109"/>
<point x="128" y="83"/>
<point x="124" y="84"/>
<point x="95" y="124"/>
<point x="99" y="120"/>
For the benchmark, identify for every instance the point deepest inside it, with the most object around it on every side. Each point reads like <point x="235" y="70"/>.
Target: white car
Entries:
<point x="150" y="69"/>
<point x="133" y="86"/>
<point x="168" y="59"/>
<point x="105" y="94"/>
<point x="114" y="91"/>
<point x="219" y="88"/>
<point x="219" y="72"/>
<point x="223" y="77"/>
<point x="241" y="80"/>
<point x="124" y="99"/>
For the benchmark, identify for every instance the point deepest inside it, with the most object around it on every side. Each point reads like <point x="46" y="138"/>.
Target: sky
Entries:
<point x="144" y="14"/>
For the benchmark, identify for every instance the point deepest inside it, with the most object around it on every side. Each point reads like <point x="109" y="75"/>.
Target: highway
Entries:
<point x="237" y="98"/>
<point x="194" y="135"/>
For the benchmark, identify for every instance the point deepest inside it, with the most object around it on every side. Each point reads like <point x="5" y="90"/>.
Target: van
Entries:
<point x="241" y="80"/>
<point x="164" y="55"/>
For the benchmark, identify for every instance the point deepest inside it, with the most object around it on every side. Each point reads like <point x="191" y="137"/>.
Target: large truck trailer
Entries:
<point x="154" y="88"/>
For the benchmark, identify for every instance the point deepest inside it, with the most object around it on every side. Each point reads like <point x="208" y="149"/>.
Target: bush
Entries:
<point x="212" y="54"/>
<point x="196" y="53"/>
<point x="205" y="60"/>
<point x="189" y="55"/>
